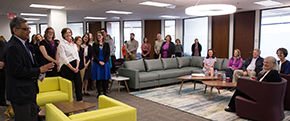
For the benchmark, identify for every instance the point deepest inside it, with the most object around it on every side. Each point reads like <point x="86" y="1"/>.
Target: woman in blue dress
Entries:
<point x="101" y="68"/>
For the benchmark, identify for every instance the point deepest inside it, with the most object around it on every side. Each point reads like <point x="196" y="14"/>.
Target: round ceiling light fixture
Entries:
<point x="210" y="10"/>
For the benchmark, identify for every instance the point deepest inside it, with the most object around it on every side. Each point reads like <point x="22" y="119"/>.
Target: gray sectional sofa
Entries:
<point x="155" y="72"/>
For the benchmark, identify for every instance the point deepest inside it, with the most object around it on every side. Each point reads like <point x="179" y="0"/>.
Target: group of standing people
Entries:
<point x="78" y="59"/>
<point x="161" y="48"/>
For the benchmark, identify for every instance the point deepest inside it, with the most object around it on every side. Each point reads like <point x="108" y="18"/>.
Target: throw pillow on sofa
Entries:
<point x="136" y="64"/>
<point x="169" y="63"/>
<point x="183" y="61"/>
<point x="218" y="64"/>
<point x="153" y="64"/>
<point x="225" y="64"/>
<point x="197" y="61"/>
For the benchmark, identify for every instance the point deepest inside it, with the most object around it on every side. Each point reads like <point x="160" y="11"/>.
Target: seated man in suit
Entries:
<point x="251" y="67"/>
<point x="22" y="72"/>
<point x="270" y="75"/>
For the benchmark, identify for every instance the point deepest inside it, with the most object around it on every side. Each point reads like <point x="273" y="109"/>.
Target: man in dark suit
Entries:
<point x="22" y="72"/>
<point x="2" y="77"/>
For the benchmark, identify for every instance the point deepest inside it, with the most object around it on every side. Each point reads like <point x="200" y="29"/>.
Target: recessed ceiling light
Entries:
<point x="268" y="3"/>
<point x="115" y="17"/>
<point x="32" y="19"/>
<point x="32" y="14"/>
<point x="156" y="4"/>
<point x="210" y="10"/>
<point x="46" y="6"/>
<point x="169" y="16"/>
<point x="88" y="17"/>
<point x="119" y="12"/>
<point x="30" y="22"/>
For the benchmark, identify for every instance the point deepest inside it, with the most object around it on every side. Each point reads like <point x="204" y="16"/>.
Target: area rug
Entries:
<point x="195" y="101"/>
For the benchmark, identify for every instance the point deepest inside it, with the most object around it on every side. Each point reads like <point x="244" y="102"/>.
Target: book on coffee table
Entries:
<point x="195" y="74"/>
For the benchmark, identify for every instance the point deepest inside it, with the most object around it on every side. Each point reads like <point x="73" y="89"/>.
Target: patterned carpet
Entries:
<point x="194" y="101"/>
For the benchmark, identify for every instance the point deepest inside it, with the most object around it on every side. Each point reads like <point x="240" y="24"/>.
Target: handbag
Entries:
<point x="110" y="62"/>
<point x="9" y="111"/>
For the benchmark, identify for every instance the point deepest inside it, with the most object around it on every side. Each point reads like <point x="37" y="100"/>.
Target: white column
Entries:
<point x="121" y="35"/>
<point x="209" y="33"/>
<point x="57" y="19"/>
<point x="179" y="29"/>
<point x="122" y="32"/>
<point x="143" y="32"/>
<point x="231" y="36"/>
<point x="162" y="29"/>
<point x="102" y="24"/>
<point x="85" y="27"/>
<point x="257" y="29"/>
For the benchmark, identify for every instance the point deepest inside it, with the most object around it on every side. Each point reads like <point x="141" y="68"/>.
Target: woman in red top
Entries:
<point x="124" y="52"/>
<point x="146" y="47"/>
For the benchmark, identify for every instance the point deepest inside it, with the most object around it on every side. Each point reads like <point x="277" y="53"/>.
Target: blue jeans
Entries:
<point x="229" y="73"/>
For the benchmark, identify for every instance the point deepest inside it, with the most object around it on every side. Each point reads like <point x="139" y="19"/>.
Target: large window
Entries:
<point x="195" y="28"/>
<point x="170" y="29"/>
<point x="77" y="29"/>
<point x="33" y="31"/>
<point x="113" y="29"/>
<point x="275" y="32"/>
<point x="136" y="28"/>
<point x="42" y="28"/>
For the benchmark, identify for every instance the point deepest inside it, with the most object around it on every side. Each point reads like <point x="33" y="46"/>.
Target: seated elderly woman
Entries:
<point x="283" y="63"/>
<point x="270" y="75"/>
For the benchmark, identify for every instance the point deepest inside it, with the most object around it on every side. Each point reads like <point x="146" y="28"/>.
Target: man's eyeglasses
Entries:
<point x="26" y="29"/>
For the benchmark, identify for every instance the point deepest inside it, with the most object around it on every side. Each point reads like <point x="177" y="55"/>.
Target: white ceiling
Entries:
<point x="78" y="9"/>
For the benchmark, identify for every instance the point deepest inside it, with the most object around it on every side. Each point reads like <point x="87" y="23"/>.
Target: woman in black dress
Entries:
<point x="196" y="48"/>
<point x="48" y="48"/>
<point x="78" y="41"/>
<point x="38" y="54"/>
<point x="88" y="66"/>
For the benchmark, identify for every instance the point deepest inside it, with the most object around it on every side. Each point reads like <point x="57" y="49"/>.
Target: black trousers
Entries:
<point x="67" y="73"/>
<point x="178" y="54"/>
<point x="156" y="56"/>
<point x="2" y="87"/>
<point x="232" y="103"/>
<point x="113" y="59"/>
<point x="104" y="86"/>
<point x="144" y="52"/>
<point x="26" y="112"/>
<point x="229" y="73"/>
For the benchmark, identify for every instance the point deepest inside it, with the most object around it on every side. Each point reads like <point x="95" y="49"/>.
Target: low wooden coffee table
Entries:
<point x="70" y="107"/>
<point x="189" y="77"/>
<point x="217" y="84"/>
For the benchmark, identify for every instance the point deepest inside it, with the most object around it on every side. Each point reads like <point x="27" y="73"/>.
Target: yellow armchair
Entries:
<point x="54" y="89"/>
<point x="109" y="110"/>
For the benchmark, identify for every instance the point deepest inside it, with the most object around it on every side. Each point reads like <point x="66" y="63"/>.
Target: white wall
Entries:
<point x="5" y="27"/>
